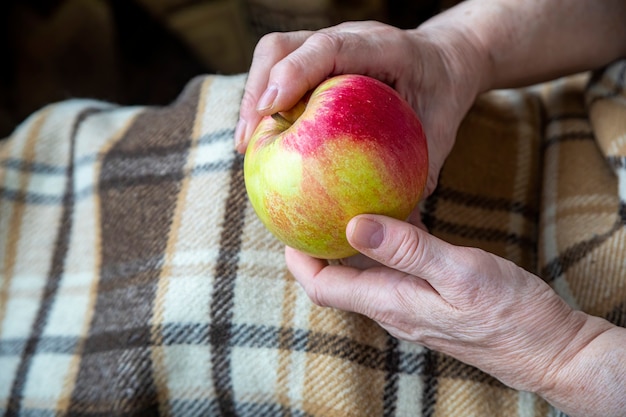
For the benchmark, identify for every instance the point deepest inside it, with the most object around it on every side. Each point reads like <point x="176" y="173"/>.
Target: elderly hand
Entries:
<point x="474" y="306"/>
<point x="431" y="71"/>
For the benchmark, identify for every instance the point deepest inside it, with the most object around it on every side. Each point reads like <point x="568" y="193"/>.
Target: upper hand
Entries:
<point x="433" y="73"/>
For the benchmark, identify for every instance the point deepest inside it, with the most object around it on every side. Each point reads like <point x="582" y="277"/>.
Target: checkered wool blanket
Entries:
<point x="135" y="279"/>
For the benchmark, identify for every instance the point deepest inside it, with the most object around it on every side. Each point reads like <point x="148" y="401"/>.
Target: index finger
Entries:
<point x="378" y="292"/>
<point x="287" y="65"/>
<point x="271" y="49"/>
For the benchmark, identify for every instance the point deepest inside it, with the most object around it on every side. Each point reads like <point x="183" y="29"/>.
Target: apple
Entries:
<point x="352" y="145"/>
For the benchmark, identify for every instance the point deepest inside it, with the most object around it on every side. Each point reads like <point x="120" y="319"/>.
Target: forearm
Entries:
<point x="590" y="379"/>
<point x="525" y="42"/>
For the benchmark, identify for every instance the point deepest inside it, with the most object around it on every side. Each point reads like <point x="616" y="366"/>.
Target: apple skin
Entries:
<point x="350" y="146"/>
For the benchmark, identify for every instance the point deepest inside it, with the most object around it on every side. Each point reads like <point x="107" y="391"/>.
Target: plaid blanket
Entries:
<point x="136" y="280"/>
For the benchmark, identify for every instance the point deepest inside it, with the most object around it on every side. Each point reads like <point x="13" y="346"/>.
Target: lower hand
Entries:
<point x="467" y="303"/>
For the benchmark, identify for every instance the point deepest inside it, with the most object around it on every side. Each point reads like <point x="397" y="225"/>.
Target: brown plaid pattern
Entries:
<point x="136" y="280"/>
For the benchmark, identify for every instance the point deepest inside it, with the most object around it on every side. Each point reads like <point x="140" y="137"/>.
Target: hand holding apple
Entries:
<point x="351" y="146"/>
<point x="435" y="74"/>
<point x="477" y="307"/>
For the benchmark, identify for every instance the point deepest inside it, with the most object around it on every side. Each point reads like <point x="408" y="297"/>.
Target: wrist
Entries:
<point x="588" y="376"/>
<point x="464" y="45"/>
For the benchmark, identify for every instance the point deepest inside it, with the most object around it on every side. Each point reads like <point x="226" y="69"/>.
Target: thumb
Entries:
<point x="404" y="247"/>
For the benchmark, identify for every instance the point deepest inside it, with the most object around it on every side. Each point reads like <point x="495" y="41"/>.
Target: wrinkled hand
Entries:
<point x="436" y="77"/>
<point x="467" y="303"/>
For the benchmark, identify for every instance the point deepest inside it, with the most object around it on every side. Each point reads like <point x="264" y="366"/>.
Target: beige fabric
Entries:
<point x="135" y="279"/>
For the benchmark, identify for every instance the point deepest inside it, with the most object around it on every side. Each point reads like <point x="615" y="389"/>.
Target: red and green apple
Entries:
<point x="352" y="145"/>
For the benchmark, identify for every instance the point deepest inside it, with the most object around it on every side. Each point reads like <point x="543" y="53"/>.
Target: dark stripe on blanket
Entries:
<point x="429" y="209"/>
<point x="568" y="257"/>
<point x="616" y="162"/>
<point x="450" y="368"/>
<point x="222" y="303"/>
<point x="117" y="178"/>
<point x="488" y="203"/>
<point x="56" y="271"/>
<point x="618" y="315"/>
<point x="47" y="344"/>
<point x="136" y="216"/>
<point x="35" y="167"/>
<point x="618" y="86"/>
<point x="242" y="335"/>
<point x="392" y="371"/>
<point x="431" y="382"/>
<point x="565" y="116"/>
<point x="481" y="233"/>
<point x="582" y="135"/>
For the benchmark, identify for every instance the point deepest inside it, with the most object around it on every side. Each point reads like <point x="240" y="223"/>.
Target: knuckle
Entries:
<point x="315" y="56"/>
<point x="408" y="252"/>
<point x="270" y="44"/>
<point x="273" y="47"/>
<point x="326" y="41"/>
<point x="469" y="290"/>
<point x="360" y="302"/>
<point x="290" y="68"/>
<point x="364" y="26"/>
<point x="248" y="101"/>
<point x="316" y="296"/>
<point x="317" y="46"/>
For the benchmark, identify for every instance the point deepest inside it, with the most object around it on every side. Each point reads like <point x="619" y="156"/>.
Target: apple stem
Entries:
<point x="281" y="120"/>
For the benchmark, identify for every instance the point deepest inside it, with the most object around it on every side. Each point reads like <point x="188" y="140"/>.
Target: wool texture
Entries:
<point x="136" y="280"/>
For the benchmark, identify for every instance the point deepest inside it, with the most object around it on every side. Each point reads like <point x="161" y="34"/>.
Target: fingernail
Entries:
<point x="240" y="131"/>
<point x="267" y="99"/>
<point x="367" y="233"/>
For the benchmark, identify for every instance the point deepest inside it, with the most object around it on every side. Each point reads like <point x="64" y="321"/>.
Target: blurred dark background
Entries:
<point x="144" y="51"/>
